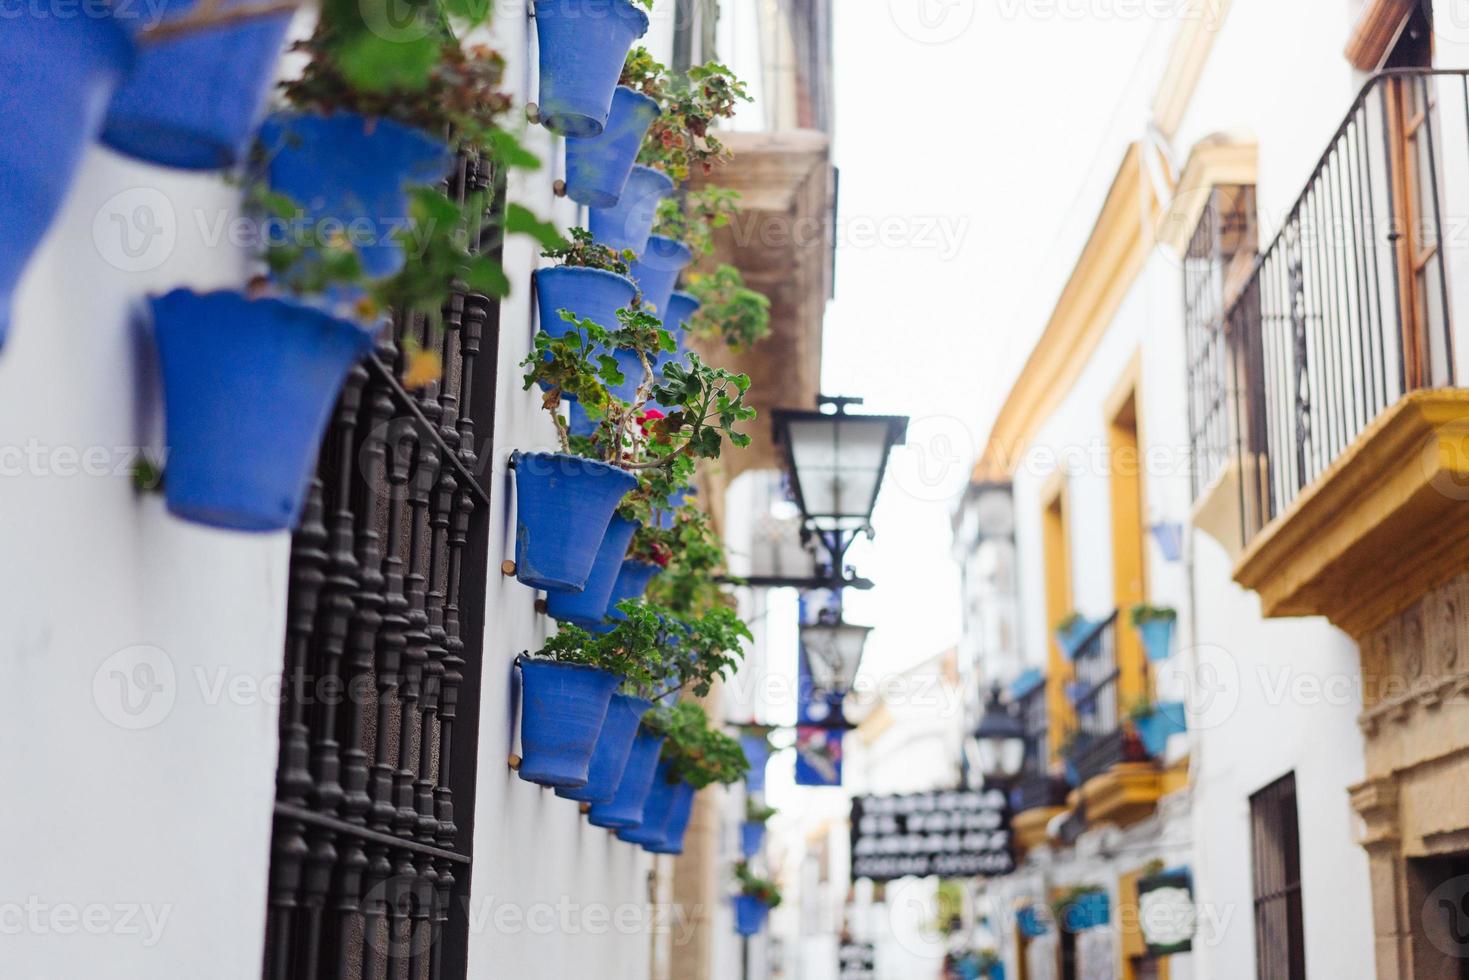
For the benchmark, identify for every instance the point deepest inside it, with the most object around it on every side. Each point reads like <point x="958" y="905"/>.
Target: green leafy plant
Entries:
<point x="758" y="812"/>
<point x="753" y="886"/>
<point x="631" y="661"/>
<point x="1139" y="707"/>
<point x="644" y="73"/>
<point x="1144" y="613"/>
<point x="696" y="753"/>
<point x="1061" y="904"/>
<point x="729" y="311"/>
<point x="692" y="218"/>
<point x="680" y="141"/>
<point x="581" y="251"/>
<point x="689" y="584"/>
<point x="1069" y="622"/>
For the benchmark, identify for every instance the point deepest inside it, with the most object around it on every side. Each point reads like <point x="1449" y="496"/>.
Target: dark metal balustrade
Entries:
<point x="373" y="817"/>
<point x="1036" y="787"/>
<point x="1348" y="308"/>
<point x="1099" y="739"/>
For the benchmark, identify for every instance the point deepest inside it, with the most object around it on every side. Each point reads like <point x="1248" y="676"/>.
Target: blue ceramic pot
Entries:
<point x="194" y="102"/>
<point x="589" y="294"/>
<point x="752" y="838"/>
<point x="597" y="169"/>
<point x="1166" y="720"/>
<point x="665" y="516"/>
<point x="564" y="505"/>
<point x="657" y="271"/>
<point x="1157" y="637"/>
<point x="657" y="812"/>
<point x="750" y="914"/>
<point x="632" y="583"/>
<point x="1089" y="911"/>
<point x="59" y="74"/>
<point x="1072" y="637"/>
<point x="678" y="821"/>
<point x="248" y="387"/>
<point x="562" y="710"/>
<point x="587" y="608"/>
<point x="583" y="45"/>
<point x="614" y="746"/>
<point x="757" y="753"/>
<point x="681" y="306"/>
<point x="626" y="808"/>
<point x="627" y="225"/>
<point x="579" y="423"/>
<point x="354" y="174"/>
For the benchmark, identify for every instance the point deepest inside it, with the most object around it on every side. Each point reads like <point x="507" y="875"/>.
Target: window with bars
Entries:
<point x="371" y="852"/>
<point x="1098" y="716"/>
<point x="1280" y="952"/>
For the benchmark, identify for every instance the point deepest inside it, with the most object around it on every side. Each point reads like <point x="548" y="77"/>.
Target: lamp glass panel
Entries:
<point x="839" y="461"/>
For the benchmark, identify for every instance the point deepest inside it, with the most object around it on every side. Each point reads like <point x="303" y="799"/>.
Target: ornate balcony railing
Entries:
<point x="1036" y="787"/>
<point x="1098" y="744"/>
<point x="1349" y="307"/>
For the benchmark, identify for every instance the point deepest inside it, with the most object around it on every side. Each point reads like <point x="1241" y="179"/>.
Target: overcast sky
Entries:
<point x="975" y="139"/>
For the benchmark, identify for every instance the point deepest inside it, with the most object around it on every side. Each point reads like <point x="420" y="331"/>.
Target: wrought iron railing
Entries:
<point x="1035" y="786"/>
<point x="1349" y="307"/>
<point x="370" y="861"/>
<point x="1098" y="744"/>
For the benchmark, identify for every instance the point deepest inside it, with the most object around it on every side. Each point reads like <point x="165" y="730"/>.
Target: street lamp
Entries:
<point x="833" y="653"/>
<point x="836" y="462"/>
<point x="996" y="750"/>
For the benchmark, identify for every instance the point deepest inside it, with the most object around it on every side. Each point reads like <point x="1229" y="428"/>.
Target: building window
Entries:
<point x="370" y="857"/>
<point x="1280" y="951"/>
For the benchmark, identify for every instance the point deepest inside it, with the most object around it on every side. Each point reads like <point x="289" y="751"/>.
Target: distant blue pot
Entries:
<point x="680" y="307"/>
<point x="583" y="46"/>
<point x="597" y="168"/>
<point x="59" y="73"/>
<point x="579" y="423"/>
<point x="1089" y="911"/>
<point x="631" y="367"/>
<point x="1072" y="637"/>
<point x="665" y="517"/>
<point x="589" y="294"/>
<point x="353" y="173"/>
<point x="750" y="914"/>
<point x="614" y="746"/>
<point x="626" y="808"/>
<point x="627" y="225"/>
<point x="564" y="505"/>
<point x="194" y="102"/>
<point x="678" y="821"/>
<point x="757" y="752"/>
<point x="1166" y="720"/>
<point x="1157" y="637"/>
<point x="657" y="271"/>
<point x="657" y="812"/>
<point x="752" y="838"/>
<point x="562" y="710"/>
<point x="248" y="388"/>
<point x="587" y="608"/>
<point x="632" y="583"/>
<point x="1073" y="774"/>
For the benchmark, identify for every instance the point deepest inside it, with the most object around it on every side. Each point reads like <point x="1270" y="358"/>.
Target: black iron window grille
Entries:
<point x="1280" y="947"/>
<point x="1036" y="787"/>
<point x="1098" y="746"/>
<point x="1347" y="310"/>
<point x="371" y="853"/>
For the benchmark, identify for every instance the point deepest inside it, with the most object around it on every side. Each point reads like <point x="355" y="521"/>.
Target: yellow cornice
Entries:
<point x="1216" y="162"/>
<point x="1381" y="527"/>
<point x="1110" y="262"/>
<point x="1199" y="23"/>
<point x="1124" y="794"/>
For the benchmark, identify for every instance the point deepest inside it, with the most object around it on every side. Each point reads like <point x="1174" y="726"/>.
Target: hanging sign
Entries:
<point x="818" y="756"/>
<point x="1166" y="912"/>
<point x="857" y="961"/>
<point x="949" y="833"/>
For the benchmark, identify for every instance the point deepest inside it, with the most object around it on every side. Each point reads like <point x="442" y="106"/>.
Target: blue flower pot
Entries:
<point x="750" y="914"/>
<point x="680" y="307"/>
<point x="614" y="746"/>
<point x="1089" y="911"/>
<point x="1072" y="637"/>
<point x="583" y="45"/>
<point x="678" y="821"/>
<point x="248" y="388"/>
<point x="587" y="608"/>
<point x="1073" y="774"/>
<point x="752" y="838"/>
<point x="632" y="583"/>
<point x="627" y="225"/>
<point x="665" y="516"/>
<point x="578" y="422"/>
<point x="757" y="752"/>
<point x="1157" y="637"/>
<point x="589" y="294"/>
<point x="657" y="812"/>
<point x="59" y="73"/>
<point x="353" y="173"/>
<point x="562" y="710"/>
<point x="194" y="102"/>
<point x="564" y="505"/>
<point x="1166" y="720"/>
<point x="597" y="168"/>
<point x="657" y="271"/>
<point x="626" y="808"/>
